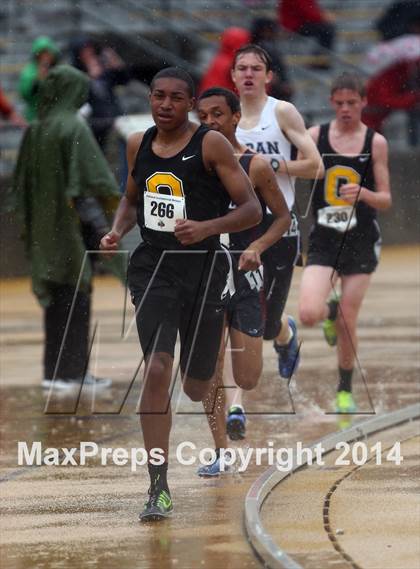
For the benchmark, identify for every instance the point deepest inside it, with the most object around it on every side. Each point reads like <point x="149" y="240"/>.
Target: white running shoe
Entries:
<point x="89" y="381"/>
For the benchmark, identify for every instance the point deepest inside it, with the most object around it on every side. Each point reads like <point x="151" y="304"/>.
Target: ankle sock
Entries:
<point x="290" y="336"/>
<point x="236" y="409"/>
<point x="344" y="383"/>
<point x="332" y="310"/>
<point x="158" y="476"/>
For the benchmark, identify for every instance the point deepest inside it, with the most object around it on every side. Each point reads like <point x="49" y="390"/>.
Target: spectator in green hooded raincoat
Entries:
<point x="63" y="185"/>
<point x="45" y="55"/>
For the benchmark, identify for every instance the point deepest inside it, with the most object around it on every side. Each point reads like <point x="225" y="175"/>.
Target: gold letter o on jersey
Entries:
<point x="159" y="180"/>
<point x="332" y="177"/>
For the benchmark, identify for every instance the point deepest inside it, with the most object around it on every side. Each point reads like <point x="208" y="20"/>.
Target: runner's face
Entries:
<point x="348" y="105"/>
<point x="215" y="113"/>
<point x="170" y="103"/>
<point x="250" y="75"/>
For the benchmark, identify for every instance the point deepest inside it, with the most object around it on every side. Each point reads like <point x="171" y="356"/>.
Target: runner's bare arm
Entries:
<point x="218" y="156"/>
<point x="309" y="163"/>
<point x="126" y="214"/>
<point x="381" y="197"/>
<point x="265" y="184"/>
<point x="314" y="133"/>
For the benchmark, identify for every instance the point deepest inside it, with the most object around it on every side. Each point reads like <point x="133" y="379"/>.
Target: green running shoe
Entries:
<point x="344" y="402"/>
<point x="158" y="507"/>
<point x="329" y="326"/>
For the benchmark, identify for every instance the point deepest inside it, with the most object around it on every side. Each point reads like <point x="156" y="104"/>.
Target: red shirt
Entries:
<point x="293" y="14"/>
<point x="391" y="88"/>
<point x="6" y="108"/>
<point x="218" y="74"/>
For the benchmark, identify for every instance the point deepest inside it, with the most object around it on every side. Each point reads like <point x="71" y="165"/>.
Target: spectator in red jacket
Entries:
<point x="395" y="88"/>
<point x="394" y="84"/>
<point x="8" y="112"/>
<point x="218" y="74"/>
<point x="307" y="18"/>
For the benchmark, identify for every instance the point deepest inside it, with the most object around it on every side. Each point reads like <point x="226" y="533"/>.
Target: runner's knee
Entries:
<point x="310" y="315"/>
<point x="247" y="382"/>
<point x="195" y="389"/>
<point x="157" y="376"/>
<point x="248" y="378"/>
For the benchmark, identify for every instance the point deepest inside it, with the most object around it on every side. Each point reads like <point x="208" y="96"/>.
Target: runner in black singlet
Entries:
<point x="219" y="109"/>
<point x="344" y="241"/>
<point x="182" y="178"/>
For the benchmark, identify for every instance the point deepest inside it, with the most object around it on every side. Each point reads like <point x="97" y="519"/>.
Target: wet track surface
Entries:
<point x="362" y="514"/>
<point x="86" y="516"/>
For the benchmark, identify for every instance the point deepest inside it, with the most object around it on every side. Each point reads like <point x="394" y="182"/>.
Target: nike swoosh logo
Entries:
<point x="187" y="157"/>
<point x="265" y="127"/>
<point x="363" y="158"/>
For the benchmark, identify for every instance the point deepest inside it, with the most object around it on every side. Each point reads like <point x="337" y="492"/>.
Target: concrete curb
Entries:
<point x="262" y="542"/>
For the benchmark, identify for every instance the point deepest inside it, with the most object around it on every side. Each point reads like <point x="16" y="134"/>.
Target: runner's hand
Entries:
<point x="188" y="232"/>
<point x="109" y="243"/>
<point x="351" y="193"/>
<point x="250" y="260"/>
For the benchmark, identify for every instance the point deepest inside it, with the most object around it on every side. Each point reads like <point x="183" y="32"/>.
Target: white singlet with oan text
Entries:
<point x="268" y="139"/>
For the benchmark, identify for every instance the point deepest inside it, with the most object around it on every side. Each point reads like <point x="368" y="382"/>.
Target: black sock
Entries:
<point x="345" y="379"/>
<point x="217" y="450"/>
<point x="332" y="310"/>
<point x="158" y="475"/>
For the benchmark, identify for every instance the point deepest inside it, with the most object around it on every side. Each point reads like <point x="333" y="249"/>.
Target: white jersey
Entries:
<point x="268" y="139"/>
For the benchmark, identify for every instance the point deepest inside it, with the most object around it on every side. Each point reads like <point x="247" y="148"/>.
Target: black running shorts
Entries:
<point x="279" y="262"/>
<point x="244" y="311"/>
<point x="181" y="291"/>
<point x="351" y="253"/>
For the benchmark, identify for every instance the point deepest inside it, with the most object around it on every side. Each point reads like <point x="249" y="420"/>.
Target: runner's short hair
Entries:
<point x="231" y="99"/>
<point x="175" y="73"/>
<point x="349" y="81"/>
<point x="259" y="52"/>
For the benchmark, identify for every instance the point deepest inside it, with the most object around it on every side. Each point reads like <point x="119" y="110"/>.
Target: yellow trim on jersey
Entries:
<point x="158" y="180"/>
<point x="332" y="177"/>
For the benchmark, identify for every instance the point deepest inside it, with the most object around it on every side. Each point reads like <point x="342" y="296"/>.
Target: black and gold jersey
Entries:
<point x="178" y="187"/>
<point x="329" y="209"/>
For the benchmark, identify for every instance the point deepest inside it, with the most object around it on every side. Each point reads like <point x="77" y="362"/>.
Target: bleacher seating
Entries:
<point x="158" y="28"/>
